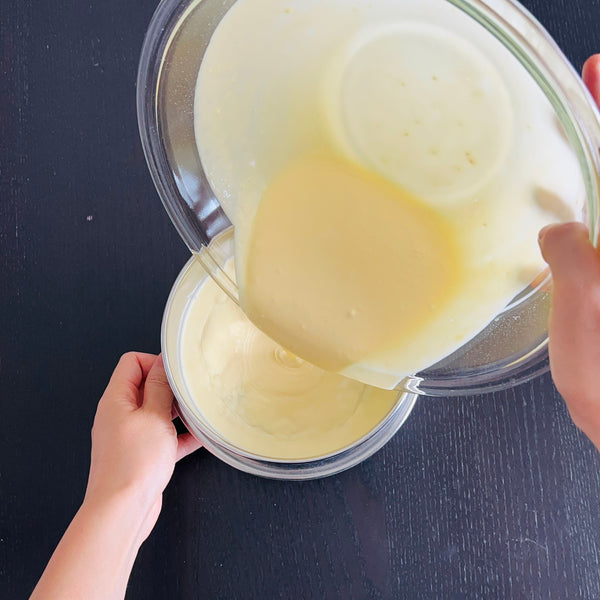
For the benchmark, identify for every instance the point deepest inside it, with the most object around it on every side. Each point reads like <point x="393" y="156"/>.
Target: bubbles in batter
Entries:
<point x="422" y="107"/>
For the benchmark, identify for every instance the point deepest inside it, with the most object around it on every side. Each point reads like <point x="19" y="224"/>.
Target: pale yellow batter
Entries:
<point x="315" y="277"/>
<point x="387" y="166"/>
<point x="381" y="163"/>
<point x="260" y="397"/>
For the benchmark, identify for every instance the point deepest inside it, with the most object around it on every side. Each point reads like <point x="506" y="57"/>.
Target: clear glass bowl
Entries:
<point x="191" y="277"/>
<point x="512" y="349"/>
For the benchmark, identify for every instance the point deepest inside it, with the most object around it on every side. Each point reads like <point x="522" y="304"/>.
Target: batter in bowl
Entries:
<point x="259" y="396"/>
<point x="383" y="164"/>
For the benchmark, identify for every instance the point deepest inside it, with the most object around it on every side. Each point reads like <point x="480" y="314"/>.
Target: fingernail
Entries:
<point x="543" y="232"/>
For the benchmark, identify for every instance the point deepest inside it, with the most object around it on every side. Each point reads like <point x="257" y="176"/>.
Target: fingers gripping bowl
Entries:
<point x="529" y="159"/>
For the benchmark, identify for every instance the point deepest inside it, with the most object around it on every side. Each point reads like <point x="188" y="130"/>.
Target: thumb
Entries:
<point x="158" y="396"/>
<point x="574" y="326"/>
<point x="571" y="257"/>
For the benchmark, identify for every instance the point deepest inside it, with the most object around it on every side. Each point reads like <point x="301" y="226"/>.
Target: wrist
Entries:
<point x="137" y="496"/>
<point x="124" y="511"/>
<point x="96" y="554"/>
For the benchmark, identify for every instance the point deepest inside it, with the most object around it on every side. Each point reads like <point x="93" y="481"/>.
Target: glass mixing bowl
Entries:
<point x="192" y="276"/>
<point x="510" y="350"/>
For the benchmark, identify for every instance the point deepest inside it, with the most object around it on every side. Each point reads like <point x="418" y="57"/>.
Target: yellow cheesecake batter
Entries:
<point x="381" y="162"/>
<point x="318" y="271"/>
<point x="259" y="396"/>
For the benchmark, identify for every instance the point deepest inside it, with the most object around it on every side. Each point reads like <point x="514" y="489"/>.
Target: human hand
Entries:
<point x="134" y="450"/>
<point x="574" y="326"/>
<point x="134" y="443"/>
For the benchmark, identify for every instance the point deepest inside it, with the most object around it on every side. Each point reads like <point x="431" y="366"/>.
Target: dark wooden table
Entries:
<point x="480" y="497"/>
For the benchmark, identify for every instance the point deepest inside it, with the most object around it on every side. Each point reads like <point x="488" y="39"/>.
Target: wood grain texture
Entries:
<point x="492" y="496"/>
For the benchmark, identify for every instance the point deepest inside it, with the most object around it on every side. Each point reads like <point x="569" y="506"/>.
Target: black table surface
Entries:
<point x="492" y="496"/>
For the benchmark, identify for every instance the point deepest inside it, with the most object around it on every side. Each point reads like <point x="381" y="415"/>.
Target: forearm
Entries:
<point x="96" y="554"/>
<point x="134" y="450"/>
